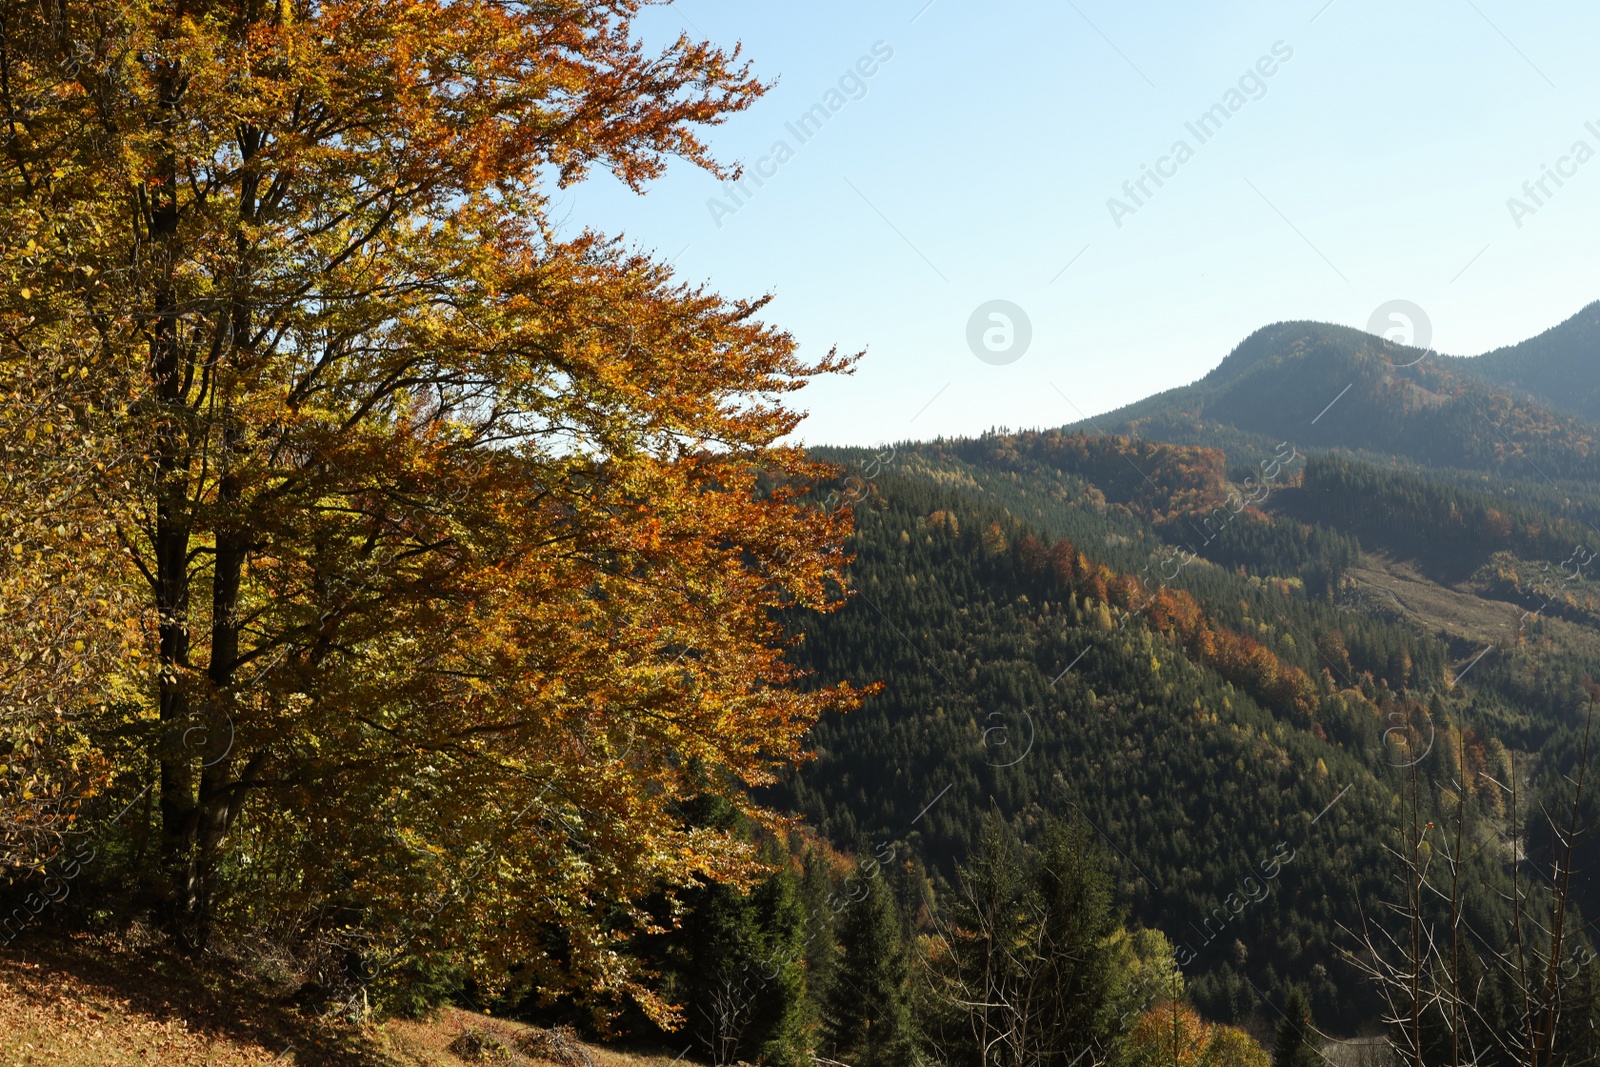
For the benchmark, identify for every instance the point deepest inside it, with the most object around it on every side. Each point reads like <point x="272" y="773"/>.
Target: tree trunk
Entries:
<point x="220" y="793"/>
<point x="172" y="601"/>
<point x="174" y="525"/>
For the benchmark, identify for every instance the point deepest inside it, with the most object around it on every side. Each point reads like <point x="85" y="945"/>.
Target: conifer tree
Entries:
<point x="723" y="942"/>
<point x="869" y="1005"/>
<point x="1295" y="1047"/>
<point x="1578" y="1034"/>
<point x="1072" y="899"/>
<point x="743" y="969"/>
<point x="778" y="1031"/>
<point x="978" y="970"/>
<point x="821" y="947"/>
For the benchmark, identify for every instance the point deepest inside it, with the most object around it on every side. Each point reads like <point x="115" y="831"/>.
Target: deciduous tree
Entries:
<point x="460" y="541"/>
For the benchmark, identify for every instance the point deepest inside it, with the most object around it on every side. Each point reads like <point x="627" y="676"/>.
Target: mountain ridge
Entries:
<point x="1329" y="386"/>
<point x="1559" y="367"/>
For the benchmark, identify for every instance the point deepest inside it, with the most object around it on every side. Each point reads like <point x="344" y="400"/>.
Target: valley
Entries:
<point x="1079" y="623"/>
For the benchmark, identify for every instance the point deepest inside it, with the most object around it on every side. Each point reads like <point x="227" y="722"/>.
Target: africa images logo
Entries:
<point x="999" y="332"/>
<point x="1252" y="85"/>
<point x="1404" y="324"/>
<point x="851" y="85"/>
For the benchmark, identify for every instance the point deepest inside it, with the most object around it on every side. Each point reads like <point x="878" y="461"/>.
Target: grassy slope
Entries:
<point x="79" y="1003"/>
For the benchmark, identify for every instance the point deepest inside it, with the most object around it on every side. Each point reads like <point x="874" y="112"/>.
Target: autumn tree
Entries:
<point x="1169" y="1034"/>
<point x="1232" y="1047"/>
<point x="67" y="626"/>
<point x="458" y="541"/>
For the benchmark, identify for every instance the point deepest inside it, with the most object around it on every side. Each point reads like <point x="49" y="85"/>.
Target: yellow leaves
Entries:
<point x="507" y="611"/>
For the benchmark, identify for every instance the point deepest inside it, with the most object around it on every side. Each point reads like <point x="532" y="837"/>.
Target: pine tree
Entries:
<point x="778" y="1026"/>
<point x="820" y="945"/>
<point x="978" y="972"/>
<point x="1578" y="1036"/>
<point x="869" y="1006"/>
<point x="1031" y="970"/>
<point x="723" y="940"/>
<point x="1071" y="896"/>
<point x="1294" y="1047"/>
<point x="743" y="973"/>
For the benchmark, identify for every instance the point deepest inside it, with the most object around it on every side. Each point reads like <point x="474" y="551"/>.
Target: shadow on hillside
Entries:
<point x="218" y="1003"/>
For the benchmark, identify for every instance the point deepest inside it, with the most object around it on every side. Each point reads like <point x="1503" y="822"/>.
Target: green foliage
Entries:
<point x="416" y="988"/>
<point x="738" y="963"/>
<point x="1579" y="1034"/>
<point x="869" y="1020"/>
<point x="778" y="1026"/>
<point x="1032" y="963"/>
<point x="1296" y="1045"/>
<point x="1071" y="898"/>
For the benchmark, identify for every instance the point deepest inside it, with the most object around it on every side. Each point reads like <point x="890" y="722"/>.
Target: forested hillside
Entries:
<point x="1334" y="387"/>
<point x="1557" y="367"/>
<point x="1114" y="628"/>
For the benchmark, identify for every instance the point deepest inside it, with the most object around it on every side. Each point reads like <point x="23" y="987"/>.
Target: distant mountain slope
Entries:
<point x="1048" y="644"/>
<point x="1125" y="619"/>
<point x="1032" y="660"/>
<point x="1332" y="387"/>
<point x="1191" y="778"/>
<point x="1559" y="368"/>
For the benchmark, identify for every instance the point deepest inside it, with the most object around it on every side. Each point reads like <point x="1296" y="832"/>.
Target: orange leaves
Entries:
<point x="1241" y="660"/>
<point x="610" y="654"/>
<point x="1173" y="612"/>
<point x="1169" y="1034"/>
<point x="493" y="92"/>
<point x="1172" y="1034"/>
<point x="471" y="535"/>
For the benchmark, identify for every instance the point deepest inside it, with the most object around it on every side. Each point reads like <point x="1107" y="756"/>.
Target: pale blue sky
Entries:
<point x="976" y="163"/>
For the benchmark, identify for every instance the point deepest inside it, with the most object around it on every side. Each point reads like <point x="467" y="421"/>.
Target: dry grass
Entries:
<point x="77" y="1002"/>
<point x="428" y="1043"/>
<point x="1399" y="589"/>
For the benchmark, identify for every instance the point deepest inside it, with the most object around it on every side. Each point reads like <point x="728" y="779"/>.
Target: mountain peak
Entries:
<point x="1281" y="343"/>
